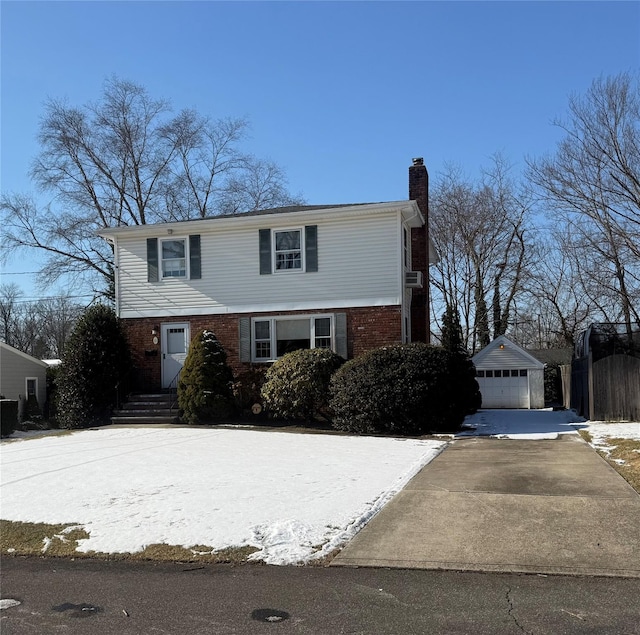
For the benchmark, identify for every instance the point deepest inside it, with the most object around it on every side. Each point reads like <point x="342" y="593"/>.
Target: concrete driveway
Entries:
<point x="487" y="504"/>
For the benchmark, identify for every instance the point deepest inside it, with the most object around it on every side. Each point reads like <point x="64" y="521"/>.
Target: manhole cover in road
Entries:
<point x="272" y="616"/>
<point x="76" y="610"/>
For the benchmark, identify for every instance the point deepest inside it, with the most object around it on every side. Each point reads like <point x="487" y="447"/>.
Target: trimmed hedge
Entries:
<point x="205" y="384"/>
<point x="407" y="389"/>
<point x="297" y="385"/>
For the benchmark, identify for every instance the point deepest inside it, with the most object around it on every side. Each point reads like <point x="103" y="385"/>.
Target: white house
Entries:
<point x="22" y="375"/>
<point x="347" y="277"/>
<point x="508" y="376"/>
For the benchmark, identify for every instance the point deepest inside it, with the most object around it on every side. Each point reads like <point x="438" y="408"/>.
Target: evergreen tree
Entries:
<point x="205" y="384"/>
<point x="465" y="394"/>
<point x="95" y="361"/>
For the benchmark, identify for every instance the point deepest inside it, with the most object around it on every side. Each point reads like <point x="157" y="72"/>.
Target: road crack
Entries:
<point x="511" y="613"/>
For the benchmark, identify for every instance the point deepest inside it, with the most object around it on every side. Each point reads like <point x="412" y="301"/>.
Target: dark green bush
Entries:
<point x="467" y="398"/>
<point x="95" y="360"/>
<point x="205" y="384"/>
<point x="247" y="386"/>
<point x="8" y="416"/>
<point x="297" y="385"/>
<point x="403" y="389"/>
<point x="553" y="384"/>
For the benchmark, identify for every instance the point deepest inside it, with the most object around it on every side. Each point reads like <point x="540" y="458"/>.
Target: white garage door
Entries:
<point x="504" y="388"/>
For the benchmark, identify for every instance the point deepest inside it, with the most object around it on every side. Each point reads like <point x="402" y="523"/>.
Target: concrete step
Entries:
<point x="149" y="405"/>
<point x="148" y="408"/>
<point x="130" y="419"/>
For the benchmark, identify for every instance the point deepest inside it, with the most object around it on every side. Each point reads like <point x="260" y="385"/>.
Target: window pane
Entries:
<point x="288" y="261"/>
<point x="174" y="263"/>
<point x="323" y="327"/>
<point x="514" y="373"/>
<point x="489" y="373"/>
<point x="176" y="341"/>
<point x="497" y="373"/>
<point x="262" y="330"/>
<point x="263" y="350"/>
<point x="288" y="250"/>
<point x="480" y="373"/>
<point x="292" y="335"/>
<point x="523" y="373"/>
<point x="286" y="241"/>
<point x="31" y="386"/>
<point x="173" y="249"/>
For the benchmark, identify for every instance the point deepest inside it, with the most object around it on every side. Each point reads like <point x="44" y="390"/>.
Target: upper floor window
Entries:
<point x="287" y="250"/>
<point x="174" y="258"/>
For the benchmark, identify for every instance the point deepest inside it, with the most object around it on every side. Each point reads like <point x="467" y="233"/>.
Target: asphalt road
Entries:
<point x="101" y="597"/>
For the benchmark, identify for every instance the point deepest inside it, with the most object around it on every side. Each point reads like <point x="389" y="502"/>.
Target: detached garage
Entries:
<point x="508" y="376"/>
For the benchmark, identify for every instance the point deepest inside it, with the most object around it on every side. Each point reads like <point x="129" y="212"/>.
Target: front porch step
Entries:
<point x="147" y="408"/>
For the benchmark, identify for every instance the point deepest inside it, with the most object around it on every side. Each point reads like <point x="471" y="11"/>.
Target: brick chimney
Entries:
<point x="419" y="192"/>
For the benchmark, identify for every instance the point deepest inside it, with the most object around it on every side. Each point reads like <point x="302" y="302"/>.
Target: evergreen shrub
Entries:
<point x="205" y="383"/>
<point x="297" y="385"/>
<point x="406" y="389"/>
<point x="96" y="359"/>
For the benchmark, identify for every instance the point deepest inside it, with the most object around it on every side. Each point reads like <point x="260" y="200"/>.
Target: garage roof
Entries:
<point x="503" y="353"/>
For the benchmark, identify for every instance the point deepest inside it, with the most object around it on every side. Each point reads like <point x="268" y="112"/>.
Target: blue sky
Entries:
<point x="341" y="94"/>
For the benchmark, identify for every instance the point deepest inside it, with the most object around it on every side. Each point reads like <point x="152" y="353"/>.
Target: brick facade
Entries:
<point x="367" y="328"/>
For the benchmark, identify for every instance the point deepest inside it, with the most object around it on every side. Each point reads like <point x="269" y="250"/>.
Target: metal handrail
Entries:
<point x="173" y="386"/>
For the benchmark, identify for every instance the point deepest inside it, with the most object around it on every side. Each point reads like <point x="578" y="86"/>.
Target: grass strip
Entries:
<point x="42" y="539"/>
<point x="627" y="450"/>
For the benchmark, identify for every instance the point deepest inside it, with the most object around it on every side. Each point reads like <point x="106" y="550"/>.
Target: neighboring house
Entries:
<point x="345" y="277"/>
<point x="22" y="375"/>
<point x="508" y="376"/>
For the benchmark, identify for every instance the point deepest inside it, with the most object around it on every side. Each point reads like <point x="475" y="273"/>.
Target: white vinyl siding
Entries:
<point x="15" y="369"/>
<point x="358" y="265"/>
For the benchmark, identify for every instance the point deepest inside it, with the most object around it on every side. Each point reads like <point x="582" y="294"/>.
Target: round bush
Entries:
<point x="96" y="359"/>
<point x="403" y="389"/>
<point x="205" y="384"/>
<point x="297" y="385"/>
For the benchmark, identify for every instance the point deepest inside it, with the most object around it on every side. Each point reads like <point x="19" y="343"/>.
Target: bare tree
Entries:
<point x="39" y="328"/>
<point x="10" y="295"/>
<point x="591" y="186"/>
<point x="556" y="309"/>
<point x="127" y="160"/>
<point x="480" y="231"/>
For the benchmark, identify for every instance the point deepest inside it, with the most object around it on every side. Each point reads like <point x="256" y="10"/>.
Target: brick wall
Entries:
<point x="367" y="328"/>
<point x="419" y="192"/>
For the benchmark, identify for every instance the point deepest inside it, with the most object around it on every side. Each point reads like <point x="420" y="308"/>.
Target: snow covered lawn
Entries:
<point x="295" y="497"/>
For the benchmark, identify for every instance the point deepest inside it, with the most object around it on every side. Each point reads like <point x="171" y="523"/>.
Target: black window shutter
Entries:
<point x="245" y="339"/>
<point x="265" y="251"/>
<point x="341" y="335"/>
<point x="152" y="259"/>
<point x="311" y="247"/>
<point x="195" y="260"/>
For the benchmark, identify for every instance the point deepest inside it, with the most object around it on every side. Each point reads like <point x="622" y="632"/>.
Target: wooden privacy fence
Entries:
<point x="608" y="389"/>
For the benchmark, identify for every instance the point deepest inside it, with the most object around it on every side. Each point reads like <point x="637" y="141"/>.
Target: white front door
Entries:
<point x="175" y="344"/>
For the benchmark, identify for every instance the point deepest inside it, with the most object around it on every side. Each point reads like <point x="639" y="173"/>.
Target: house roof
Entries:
<point x="552" y="355"/>
<point x="409" y="209"/>
<point x="503" y="351"/>
<point x="15" y="351"/>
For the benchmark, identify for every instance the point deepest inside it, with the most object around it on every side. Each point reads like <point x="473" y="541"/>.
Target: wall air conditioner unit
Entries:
<point x="413" y="279"/>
